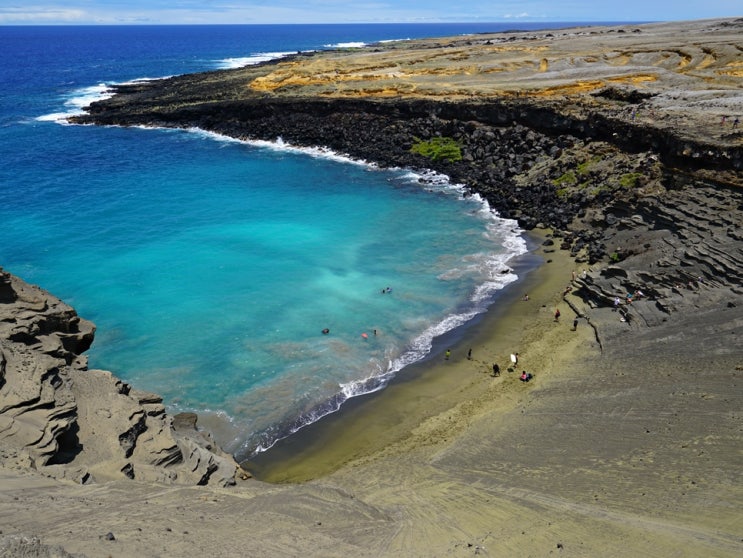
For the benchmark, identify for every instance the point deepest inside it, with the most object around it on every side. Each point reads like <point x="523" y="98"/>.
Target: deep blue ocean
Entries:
<point x="211" y="266"/>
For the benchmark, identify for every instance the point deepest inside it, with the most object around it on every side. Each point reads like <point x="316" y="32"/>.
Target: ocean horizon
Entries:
<point x="256" y="283"/>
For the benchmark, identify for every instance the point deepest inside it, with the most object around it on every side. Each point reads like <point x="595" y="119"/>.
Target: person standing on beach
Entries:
<point x="557" y="314"/>
<point x="575" y="324"/>
<point x="447" y="354"/>
<point x="496" y="370"/>
<point x="469" y="354"/>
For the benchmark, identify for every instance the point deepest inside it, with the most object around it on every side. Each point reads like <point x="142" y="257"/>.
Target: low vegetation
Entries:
<point x="438" y="149"/>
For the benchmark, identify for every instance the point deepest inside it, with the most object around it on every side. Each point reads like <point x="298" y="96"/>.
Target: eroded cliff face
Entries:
<point x="67" y="421"/>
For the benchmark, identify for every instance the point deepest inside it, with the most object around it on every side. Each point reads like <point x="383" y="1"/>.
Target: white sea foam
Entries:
<point x="352" y="44"/>
<point x="210" y="135"/>
<point x="280" y="145"/>
<point x="240" y="62"/>
<point x="77" y="101"/>
<point x="319" y="152"/>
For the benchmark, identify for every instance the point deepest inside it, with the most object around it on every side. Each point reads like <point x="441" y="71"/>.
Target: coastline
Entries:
<point x="627" y="442"/>
<point x="515" y="242"/>
<point x="485" y="466"/>
<point x="374" y="423"/>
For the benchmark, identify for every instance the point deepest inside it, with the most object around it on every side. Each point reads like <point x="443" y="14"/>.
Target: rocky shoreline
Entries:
<point x="656" y="206"/>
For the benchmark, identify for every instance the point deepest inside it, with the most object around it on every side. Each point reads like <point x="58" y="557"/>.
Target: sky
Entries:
<point x="108" y="12"/>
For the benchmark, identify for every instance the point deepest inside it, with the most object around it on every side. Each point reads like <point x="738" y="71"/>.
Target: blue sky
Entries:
<point x="27" y="12"/>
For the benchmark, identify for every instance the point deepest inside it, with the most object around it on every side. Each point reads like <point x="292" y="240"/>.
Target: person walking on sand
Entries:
<point x="557" y="314"/>
<point x="496" y="370"/>
<point x="469" y="354"/>
<point x="447" y="354"/>
<point x="575" y="324"/>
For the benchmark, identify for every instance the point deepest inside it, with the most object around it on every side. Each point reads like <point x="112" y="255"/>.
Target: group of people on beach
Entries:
<point x="735" y="121"/>
<point x="525" y="376"/>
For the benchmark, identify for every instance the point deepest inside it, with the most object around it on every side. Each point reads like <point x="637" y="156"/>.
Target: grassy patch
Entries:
<point x="566" y="179"/>
<point x="585" y="166"/>
<point x="630" y="180"/>
<point x="599" y="190"/>
<point x="438" y="149"/>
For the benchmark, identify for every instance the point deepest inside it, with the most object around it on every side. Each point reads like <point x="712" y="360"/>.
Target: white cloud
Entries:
<point x="522" y="15"/>
<point x="41" y="14"/>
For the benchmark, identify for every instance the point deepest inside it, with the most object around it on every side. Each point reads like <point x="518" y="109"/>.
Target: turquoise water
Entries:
<point x="211" y="266"/>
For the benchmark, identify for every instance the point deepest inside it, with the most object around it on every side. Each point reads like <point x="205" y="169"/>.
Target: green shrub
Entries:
<point x="630" y="180"/>
<point x="438" y="149"/>
<point x="585" y="166"/>
<point x="567" y="178"/>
